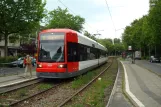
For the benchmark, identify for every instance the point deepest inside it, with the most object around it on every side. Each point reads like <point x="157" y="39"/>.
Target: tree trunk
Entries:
<point x="144" y="52"/>
<point x="149" y="51"/>
<point x="155" y="51"/>
<point x="6" y="45"/>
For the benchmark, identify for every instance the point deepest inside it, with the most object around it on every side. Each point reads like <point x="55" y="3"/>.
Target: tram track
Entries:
<point x="61" y="93"/>
<point x="55" y="96"/>
<point x="86" y="86"/>
<point x="10" y="100"/>
<point x="34" y="95"/>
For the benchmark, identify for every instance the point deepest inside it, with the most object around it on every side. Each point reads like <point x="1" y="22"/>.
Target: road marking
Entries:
<point x="139" y="103"/>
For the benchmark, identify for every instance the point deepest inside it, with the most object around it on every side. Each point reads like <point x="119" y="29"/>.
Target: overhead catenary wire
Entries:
<point x="111" y="19"/>
<point x="75" y="14"/>
<point x="66" y="7"/>
<point x="110" y="15"/>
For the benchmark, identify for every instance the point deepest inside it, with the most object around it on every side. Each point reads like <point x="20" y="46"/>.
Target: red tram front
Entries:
<point x="52" y="54"/>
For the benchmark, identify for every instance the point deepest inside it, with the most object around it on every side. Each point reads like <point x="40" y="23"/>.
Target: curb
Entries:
<point x="18" y="82"/>
<point x="114" y="87"/>
<point x="127" y="92"/>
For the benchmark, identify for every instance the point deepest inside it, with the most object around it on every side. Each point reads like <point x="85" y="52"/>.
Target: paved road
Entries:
<point x="144" y="85"/>
<point x="13" y="70"/>
<point x="154" y="67"/>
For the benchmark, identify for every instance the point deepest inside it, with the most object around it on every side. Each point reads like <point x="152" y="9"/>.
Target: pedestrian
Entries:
<point x="28" y="66"/>
<point x="24" y="65"/>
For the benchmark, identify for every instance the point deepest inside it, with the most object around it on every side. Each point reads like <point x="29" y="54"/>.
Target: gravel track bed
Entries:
<point x="22" y="93"/>
<point x="55" y="96"/>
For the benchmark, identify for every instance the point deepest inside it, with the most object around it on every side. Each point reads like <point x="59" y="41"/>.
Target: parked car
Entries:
<point x="21" y="62"/>
<point x="154" y="59"/>
<point x="13" y="64"/>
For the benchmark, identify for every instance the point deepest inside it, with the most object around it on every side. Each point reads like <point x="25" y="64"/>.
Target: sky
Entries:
<point x="98" y="19"/>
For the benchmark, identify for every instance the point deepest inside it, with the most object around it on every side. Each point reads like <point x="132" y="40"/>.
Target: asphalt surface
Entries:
<point x="144" y="85"/>
<point x="154" y="67"/>
<point x="13" y="70"/>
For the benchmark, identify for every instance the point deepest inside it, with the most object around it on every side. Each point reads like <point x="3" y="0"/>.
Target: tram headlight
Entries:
<point x="62" y="66"/>
<point x="39" y="65"/>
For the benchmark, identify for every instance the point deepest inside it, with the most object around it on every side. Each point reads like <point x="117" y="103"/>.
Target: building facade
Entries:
<point x="13" y="47"/>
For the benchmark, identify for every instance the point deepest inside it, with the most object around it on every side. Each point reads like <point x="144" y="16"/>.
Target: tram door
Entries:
<point x="72" y="57"/>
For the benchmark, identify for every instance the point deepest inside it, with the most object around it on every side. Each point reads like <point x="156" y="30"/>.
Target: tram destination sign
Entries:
<point x="52" y="36"/>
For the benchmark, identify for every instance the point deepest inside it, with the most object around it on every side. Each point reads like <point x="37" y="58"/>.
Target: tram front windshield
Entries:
<point x="51" y="47"/>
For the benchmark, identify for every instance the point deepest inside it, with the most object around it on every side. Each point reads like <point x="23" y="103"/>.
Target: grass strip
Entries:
<point x="95" y="95"/>
<point x="84" y="79"/>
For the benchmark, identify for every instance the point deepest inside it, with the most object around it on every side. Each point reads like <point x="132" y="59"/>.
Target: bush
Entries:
<point x="21" y="55"/>
<point x="8" y="59"/>
<point x="145" y="57"/>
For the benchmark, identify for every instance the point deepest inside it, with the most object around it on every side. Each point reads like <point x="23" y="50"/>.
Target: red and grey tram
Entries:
<point x="64" y="53"/>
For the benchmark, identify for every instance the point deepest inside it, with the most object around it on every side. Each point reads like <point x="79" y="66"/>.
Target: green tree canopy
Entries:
<point x="155" y="21"/>
<point x="60" y="18"/>
<point x="116" y="40"/>
<point x="145" y="33"/>
<point x="86" y="33"/>
<point x="19" y="16"/>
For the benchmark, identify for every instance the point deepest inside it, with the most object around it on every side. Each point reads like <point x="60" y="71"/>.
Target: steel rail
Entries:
<point x="84" y="87"/>
<point x="17" y="102"/>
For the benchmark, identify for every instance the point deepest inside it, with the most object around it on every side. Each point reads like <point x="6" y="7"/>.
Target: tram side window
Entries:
<point x="82" y="52"/>
<point x="72" y="51"/>
<point x="98" y="53"/>
<point x="88" y="53"/>
<point x="93" y="54"/>
<point x="102" y="54"/>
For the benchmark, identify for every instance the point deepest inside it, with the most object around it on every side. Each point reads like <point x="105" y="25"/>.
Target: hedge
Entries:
<point x="8" y="59"/>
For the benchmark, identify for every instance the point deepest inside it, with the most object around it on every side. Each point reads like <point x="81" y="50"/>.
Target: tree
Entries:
<point x="60" y="18"/>
<point x="110" y="40"/>
<point x="155" y="21"/>
<point x="145" y="33"/>
<point x="19" y="17"/>
<point x="107" y="43"/>
<point x="86" y="33"/>
<point x="116" y="40"/>
<point x="126" y="37"/>
<point x="118" y="48"/>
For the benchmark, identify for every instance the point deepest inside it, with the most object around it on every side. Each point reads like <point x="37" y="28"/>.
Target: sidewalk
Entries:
<point x="144" y="87"/>
<point x="118" y="99"/>
<point x="9" y="80"/>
